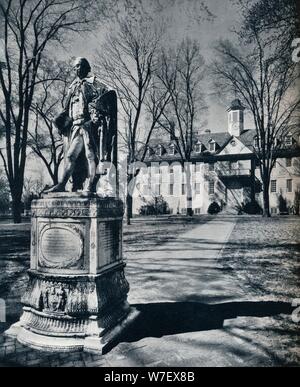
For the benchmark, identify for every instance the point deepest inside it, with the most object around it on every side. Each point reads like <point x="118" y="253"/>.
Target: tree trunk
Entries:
<point x="189" y="193"/>
<point x="17" y="209"/>
<point x="129" y="203"/>
<point x="129" y="199"/>
<point x="252" y="195"/>
<point x="266" y="200"/>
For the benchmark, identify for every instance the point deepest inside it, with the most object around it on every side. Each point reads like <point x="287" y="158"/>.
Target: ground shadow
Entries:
<point x="170" y="318"/>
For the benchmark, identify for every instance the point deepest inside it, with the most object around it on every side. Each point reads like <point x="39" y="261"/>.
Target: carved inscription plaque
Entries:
<point x="109" y="237"/>
<point x="60" y="247"/>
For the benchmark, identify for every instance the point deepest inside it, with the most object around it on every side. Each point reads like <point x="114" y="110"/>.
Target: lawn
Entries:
<point x="15" y="241"/>
<point x="264" y="254"/>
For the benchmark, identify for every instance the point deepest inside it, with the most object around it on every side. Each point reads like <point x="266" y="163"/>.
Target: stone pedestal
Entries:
<point x="76" y="296"/>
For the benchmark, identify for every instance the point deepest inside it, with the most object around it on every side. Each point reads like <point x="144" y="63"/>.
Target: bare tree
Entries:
<point x="127" y="65"/>
<point x="264" y="76"/>
<point x="44" y="140"/>
<point x="280" y="18"/>
<point x="4" y="193"/>
<point x="182" y="74"/>
<point x="29" y="28"/>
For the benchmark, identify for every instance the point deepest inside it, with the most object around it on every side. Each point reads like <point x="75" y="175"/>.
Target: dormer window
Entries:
<point x="212" y="146"/>
<point x="288" y="140"/>
<point x="172" y="150"/>
<point x="149" y="152"/>
<point x="198" y="147"/>
<point x="160" y="150"/>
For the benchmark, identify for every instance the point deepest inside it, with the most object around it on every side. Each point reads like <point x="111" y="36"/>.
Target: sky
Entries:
<point x="184" y="25"/>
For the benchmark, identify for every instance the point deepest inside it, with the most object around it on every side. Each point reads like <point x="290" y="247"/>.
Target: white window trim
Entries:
<point x="198" y="144"/>
<point x="160" y="150"/>
<point x="290" y="162"/>
<point x="172" y="150"/>
<point x="288" y="140"/>
<point x="273" y="182"/>
<point x="287" y="190"/>
<point x="211" y="183"/>
<point x="212" y="142"/>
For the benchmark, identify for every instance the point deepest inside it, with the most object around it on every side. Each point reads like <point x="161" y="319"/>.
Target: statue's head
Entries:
<point x="81" y="67"/>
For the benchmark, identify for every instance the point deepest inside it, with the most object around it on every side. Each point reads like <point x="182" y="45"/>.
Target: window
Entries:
<point x="197" y="211"/>
<point x="211" y="187"/>
<point x="157" y="190"/>
<point x="171" y="189"/>
<point x="256" y="144"/>
<point x="197" y="188"/>
<point x="273" y="186"/>
<point x="171" y="170"/>
<point x="233" y="165"/>
<point x="289" y="185"/>
<point x="198" y="167"/>
<point x="288" y="162"/>
<point x="172" y="150"/>
<point x="183" y="211"/>
<point x="154" y="169"/>
<point x="183" y="191"/>
<point x="160" y="150"/>
<point x="198" y="147"/>
<point x="273" y="210"/>
<point x="212" y="146"/>
<point x="288" y="140"/>
<point x="211" y="167"/>
<point x="234" y="116"/>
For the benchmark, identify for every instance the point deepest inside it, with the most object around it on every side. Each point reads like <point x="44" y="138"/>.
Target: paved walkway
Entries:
<point x="193" y="311"/>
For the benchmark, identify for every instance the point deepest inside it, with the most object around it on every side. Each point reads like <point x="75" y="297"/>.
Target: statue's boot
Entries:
<point x="89" y="189"/>
<point x="60" y="187"/>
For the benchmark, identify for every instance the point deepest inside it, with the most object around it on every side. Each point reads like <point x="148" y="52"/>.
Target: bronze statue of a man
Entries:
<point x="88" y="125"/>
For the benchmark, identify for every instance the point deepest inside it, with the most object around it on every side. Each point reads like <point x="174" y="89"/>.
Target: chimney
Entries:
<point x="236" y="118"/>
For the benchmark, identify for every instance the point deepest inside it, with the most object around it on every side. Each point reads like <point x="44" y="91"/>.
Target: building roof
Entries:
<point x="236" y="105"/>
<point x="221" y="139"/>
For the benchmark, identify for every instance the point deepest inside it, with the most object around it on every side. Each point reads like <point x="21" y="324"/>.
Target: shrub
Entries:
<point x="297" y="202"/>
<point x="4" y="194"/>
<point x="252" y="208"/>
<point x="213" y="208"/>
<point x="282" y="204"/>
<point x="157" y="206"/>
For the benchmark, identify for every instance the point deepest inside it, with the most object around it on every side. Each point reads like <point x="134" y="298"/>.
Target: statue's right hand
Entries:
<point x="63" y="122"/>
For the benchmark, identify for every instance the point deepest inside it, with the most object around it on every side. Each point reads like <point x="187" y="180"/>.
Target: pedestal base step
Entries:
<point x="93" y="344"/>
